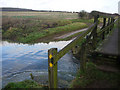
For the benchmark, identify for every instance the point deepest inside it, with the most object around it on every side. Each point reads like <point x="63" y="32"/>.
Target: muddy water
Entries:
<point x="19" y="60"/>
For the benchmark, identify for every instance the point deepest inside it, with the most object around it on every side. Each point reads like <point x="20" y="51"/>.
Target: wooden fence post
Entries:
<point x="108" y="25"/>
<point x="118" y="23"/>
<point x="95" y="31"/>
<point x="108" y="22"/>
<point x="52" y="68"/>
<point x="112" y="20"/>
<point x="104" y="23"/>
<point x="83" y="58"/>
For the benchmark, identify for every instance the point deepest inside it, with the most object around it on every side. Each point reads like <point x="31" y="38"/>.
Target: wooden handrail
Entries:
<point x="63" y="51"/>
<point x="106" y="27"/>
<point x="102" y="14"/>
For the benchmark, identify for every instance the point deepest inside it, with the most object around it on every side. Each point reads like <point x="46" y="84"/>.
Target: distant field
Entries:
<point x="42" y="15"/>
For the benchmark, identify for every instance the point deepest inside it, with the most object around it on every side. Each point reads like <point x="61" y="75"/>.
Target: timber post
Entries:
<point x="112" y="20"/>
<point x="118" y="23"/>
<point x="104" y="23"/>
<point x="83" y="58"/>
<point x="108" y="25"/>
<point x="95" y="31"/>
<point x="52" y="68"/>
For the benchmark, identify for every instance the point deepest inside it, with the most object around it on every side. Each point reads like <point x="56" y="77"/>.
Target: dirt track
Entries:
<point x="71" y="33"/>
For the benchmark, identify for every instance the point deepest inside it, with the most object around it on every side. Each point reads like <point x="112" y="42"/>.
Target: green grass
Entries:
<point x="92" y="74"/>
<point x="23" y="84"/>
<point x="67" y="28"/>
<point x="83" y="20"/>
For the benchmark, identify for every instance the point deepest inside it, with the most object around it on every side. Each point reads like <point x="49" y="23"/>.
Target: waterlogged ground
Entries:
<point x="19" y="60"/>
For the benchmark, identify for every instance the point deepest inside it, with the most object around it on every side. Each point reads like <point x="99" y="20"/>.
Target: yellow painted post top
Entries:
<point x="50" y="56"/>
<point x="50" y="64"/>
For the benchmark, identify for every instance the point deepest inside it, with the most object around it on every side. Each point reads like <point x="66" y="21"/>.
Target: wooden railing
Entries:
<point x="90" y="38"/>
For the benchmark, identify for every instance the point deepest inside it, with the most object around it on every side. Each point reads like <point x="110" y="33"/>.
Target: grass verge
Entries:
<point x="94" y="78"/>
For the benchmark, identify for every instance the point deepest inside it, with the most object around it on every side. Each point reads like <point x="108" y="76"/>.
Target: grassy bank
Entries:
<point x="28" y="84"/>
<point x="95" y="78"/>
<point x="25" y="34"/>
<point x="51" y="31"/>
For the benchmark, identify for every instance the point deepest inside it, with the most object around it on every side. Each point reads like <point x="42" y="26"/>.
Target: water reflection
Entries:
<point x="19" y="60"/>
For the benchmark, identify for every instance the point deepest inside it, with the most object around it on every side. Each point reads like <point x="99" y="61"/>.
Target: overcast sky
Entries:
<point x="110" y="6"/>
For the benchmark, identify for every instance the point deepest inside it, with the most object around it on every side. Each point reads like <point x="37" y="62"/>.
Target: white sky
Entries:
<point x="110" y="6"/>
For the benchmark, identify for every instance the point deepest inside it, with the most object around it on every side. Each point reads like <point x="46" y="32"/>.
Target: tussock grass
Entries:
<point x="70" y="27"/>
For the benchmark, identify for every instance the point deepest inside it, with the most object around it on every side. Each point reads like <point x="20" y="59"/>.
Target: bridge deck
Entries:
<point x="111" y="44"/>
